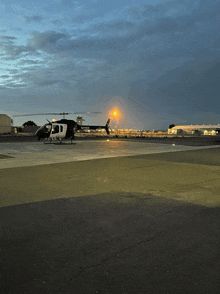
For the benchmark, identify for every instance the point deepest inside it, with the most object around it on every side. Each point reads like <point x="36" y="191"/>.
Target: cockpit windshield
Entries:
<point x="46" y="128"/>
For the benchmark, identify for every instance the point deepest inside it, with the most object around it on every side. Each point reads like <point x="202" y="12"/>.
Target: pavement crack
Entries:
<point x="116" y="254"/>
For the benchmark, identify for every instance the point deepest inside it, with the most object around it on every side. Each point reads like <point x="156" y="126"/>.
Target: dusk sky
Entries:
<point x="156" y="62"/>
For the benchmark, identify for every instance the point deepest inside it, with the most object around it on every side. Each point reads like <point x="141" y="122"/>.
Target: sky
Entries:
<point x="155" y="62"/>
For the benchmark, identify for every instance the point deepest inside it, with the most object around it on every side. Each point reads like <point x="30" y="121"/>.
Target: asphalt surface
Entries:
<point x="147" y="223"/>
<point x="178" y="140"/>
<point x="20" y="154"/>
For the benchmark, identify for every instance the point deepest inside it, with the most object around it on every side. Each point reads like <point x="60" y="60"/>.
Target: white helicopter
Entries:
<point x="64" y="128"/>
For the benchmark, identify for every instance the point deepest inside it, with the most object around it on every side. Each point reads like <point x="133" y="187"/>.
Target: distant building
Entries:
<point x="195" y="130"/>
<point x="5" y="124"/>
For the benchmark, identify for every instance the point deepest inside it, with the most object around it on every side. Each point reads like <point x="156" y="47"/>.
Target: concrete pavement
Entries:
<point x="139" y="224"/>
<point x="36" y="153"/>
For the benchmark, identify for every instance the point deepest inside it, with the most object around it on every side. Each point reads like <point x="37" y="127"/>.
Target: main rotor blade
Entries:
<point x="31" y="114"/>
<point x="83" y="112"/>
<point x="55" y="113"/>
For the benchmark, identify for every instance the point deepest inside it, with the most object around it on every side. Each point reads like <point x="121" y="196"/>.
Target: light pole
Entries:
<point x="115" y="115"/>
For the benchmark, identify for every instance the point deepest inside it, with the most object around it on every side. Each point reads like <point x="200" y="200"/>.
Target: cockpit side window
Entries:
<point x="48" y="128"/>
<point x="55" y="129"/>
<point x="61" y="129"/>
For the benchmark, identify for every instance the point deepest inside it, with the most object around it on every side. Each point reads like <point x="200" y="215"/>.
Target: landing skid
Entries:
<point x="58" y="142"/>
<point x="63" y="143"/>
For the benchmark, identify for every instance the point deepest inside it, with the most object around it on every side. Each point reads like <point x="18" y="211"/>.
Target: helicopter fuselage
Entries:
<point x="64" y="128"/>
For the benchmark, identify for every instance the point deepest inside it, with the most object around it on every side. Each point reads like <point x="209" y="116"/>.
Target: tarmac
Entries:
<point x="115" y="216"/>
<point x="14" y="154"/>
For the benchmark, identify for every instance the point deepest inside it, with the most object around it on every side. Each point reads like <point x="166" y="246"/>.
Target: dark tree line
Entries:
<point x="29" y="123"/>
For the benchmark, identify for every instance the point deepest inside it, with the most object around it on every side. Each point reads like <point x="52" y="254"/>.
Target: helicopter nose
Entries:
<point x="38" y="136"/>
<point x="37" y="133"/>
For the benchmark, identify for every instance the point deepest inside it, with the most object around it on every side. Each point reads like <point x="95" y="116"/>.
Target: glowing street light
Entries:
<point x="115" y="113"/>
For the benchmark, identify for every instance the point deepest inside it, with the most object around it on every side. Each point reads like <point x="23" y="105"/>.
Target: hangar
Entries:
<point x="5" y="124"/>
<point x="195" y="129"/>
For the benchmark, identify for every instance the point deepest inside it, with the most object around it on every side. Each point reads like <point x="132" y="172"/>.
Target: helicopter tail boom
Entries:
<point x="94" y="127"/>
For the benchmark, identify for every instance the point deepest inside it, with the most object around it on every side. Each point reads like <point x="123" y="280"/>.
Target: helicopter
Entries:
<point x="64" y="128"/>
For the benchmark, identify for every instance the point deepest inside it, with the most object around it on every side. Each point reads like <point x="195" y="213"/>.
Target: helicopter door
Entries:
<point x="58" y="131"/>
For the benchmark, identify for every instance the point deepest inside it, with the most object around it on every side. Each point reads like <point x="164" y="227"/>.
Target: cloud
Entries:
<point x="28" y="61"/>
<point x="13" y="71"/>
<point x="155" y="29"/>
<point x="7" y="39"/>
<point x="150" y="50"/>
<point x="15" y="52"/>
<point x="167" y="35"/>
<point x="155" y="56"/>
<point x="13" y="85"/>
<point x="29" y="19"/>
<point x="114" y="26"/>
<point x="46" y="83"/>
<point x="45" y="40"/>
<point x="12" y="51"/>
<point x="69" y="3"/>
<point x="189" y="89"/>
<point x="5" y="76"/>
<point x="57" y="22"/>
